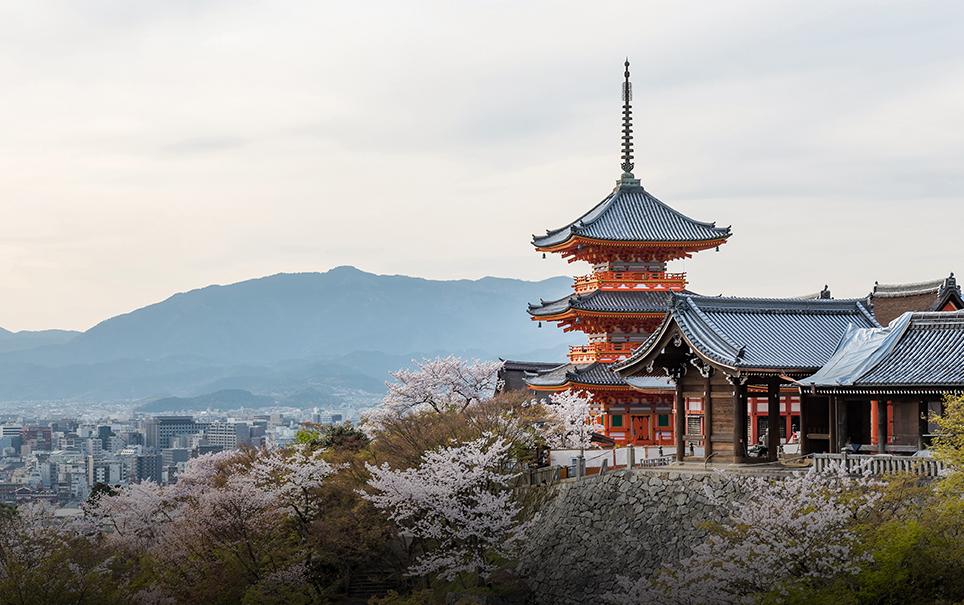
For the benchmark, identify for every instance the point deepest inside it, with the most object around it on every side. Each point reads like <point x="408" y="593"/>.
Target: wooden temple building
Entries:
<point x="885" y="384"/>
<point x="628" y="239"/>
<point x="890" y="301"/>
<point x="716" y="376"/>
<point x="724" y="355"/>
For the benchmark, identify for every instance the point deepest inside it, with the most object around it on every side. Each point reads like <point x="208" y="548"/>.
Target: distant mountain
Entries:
<point x="338" y="332"/>
<point x="227" y="399"/>
<point x="20" y="341"/>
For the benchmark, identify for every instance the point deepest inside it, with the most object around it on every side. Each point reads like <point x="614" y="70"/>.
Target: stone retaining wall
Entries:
<point x="623" y="523"/>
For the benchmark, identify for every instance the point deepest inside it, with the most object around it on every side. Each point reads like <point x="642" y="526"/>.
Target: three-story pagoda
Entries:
<point x="628" y="238"/>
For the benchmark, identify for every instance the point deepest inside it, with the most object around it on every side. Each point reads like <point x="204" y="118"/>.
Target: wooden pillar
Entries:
<point x="708" y="416"/>
<point x="882" y="428"/>
<point x="773" y="419"/>
<point x="832" y="425"/>
<point x="739" y="421"/>
<point x="891" y="432"/>
<point x="680" y="420"/>
<point x="804" y="446"/>
<point x="874" y="406"/>
<point x="921" y="423"/>
<point x="841" y="425"/>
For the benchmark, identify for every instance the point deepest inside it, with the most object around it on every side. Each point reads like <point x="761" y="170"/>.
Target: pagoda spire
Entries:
<point x="627" y="177"/>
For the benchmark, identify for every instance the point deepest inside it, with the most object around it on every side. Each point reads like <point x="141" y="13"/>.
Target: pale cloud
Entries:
<point x="151" y="147"/>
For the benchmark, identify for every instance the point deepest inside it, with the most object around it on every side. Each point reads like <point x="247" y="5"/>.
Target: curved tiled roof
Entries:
<point x="598" y="374"/>
<point x="645" y="382"/>
<point x="606" y="301"/>
<point x="778" y="333"/>
<point x="914" y="289"/>
<point x="931" y="352"/>
<point x="916" y="351"/>
<point x="631" y="214"/>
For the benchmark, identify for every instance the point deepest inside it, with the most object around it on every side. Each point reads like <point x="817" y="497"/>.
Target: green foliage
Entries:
<point x="342" y="436"/>
<point x="949" y="444"/>
<point x="916" y="541"/>
<point x="99" y="489"/>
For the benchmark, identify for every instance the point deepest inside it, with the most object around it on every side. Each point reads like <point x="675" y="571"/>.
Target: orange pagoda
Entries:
<point x="628" y="238"/>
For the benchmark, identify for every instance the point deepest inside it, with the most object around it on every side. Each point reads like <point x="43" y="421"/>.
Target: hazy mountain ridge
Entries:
<point x="336" y="332"/>
<point x="31" y="339"/>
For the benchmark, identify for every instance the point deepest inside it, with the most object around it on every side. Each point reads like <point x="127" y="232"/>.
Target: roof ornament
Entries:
<point x="950" y="283"/>
<point x="825" y="293"/>
<point x="627" y="177"/>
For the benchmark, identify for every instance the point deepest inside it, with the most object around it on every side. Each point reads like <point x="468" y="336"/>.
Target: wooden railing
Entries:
<point x="546" y="474"/>
<point x="606" y="352"/>
<point x="630" y="280"/>
<point x="664" y="460"/>
<point x="881" y="464"/>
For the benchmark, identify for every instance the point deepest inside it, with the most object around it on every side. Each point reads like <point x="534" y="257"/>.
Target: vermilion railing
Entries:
<point x="630" y="280"/>
<point x="605" y="352"/>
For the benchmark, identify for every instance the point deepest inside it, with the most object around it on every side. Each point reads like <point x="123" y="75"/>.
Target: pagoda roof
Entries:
<point x="605" y="301"/>
<point x="917" y="353"/>
<point x="592" y="374"/>
<point x="630" y="214"/>
<point x="791" y="334"/>
<point x="595" y="375"/>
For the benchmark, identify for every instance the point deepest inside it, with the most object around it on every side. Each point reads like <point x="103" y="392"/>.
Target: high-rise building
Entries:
<point x="228" y="435"/>
<point x="148" y="467"/>
<point x="159" y="430"/>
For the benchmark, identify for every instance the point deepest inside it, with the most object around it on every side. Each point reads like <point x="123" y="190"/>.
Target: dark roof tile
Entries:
<point x="764" y="333"/>
<point x="613" y="301"/>
<point x="631" y="214"/>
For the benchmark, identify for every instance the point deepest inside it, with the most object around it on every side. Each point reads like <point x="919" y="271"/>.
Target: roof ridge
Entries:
<point x="912" y="284"/>
<point x="840" y="302"/>
<point x="943" y="316"/>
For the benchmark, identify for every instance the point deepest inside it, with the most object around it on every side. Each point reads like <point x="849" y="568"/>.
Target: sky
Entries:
<point x="155" y="147"/>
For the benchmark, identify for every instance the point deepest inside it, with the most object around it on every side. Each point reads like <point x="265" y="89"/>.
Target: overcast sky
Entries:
<point x="154" y="147"/>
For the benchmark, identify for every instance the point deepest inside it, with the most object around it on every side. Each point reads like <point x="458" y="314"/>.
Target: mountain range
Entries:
<point x="298" y="338"/>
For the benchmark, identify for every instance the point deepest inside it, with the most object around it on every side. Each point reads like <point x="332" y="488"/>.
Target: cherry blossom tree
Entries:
<point x="441" y="384"/>
<point x="572" y="420"/>
<point x="781" y="532"/>
<point x="234" y="509"/>
<point x="458" y="500"/>
<point x="45" y="559"/>
<point x="291" y="476"/>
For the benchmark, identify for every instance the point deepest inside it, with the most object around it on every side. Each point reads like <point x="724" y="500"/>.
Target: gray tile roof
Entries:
<point x="651" y="382"/>
<point x="916" y="351"/>
<point x="910" y="289"/>
<point x="605" y="301"/>
<point x="760" y="333"/>
<point x="631" y="214"/>
<point x="598" y="374"/>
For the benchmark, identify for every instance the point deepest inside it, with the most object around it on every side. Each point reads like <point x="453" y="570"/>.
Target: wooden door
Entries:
<point x="641" y="429"/>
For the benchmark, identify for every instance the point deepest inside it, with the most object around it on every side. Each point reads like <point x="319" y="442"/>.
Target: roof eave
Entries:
<point x="690" y="245"/>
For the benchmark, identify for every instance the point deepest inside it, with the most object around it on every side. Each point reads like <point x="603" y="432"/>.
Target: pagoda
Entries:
<point x="627" y="238"/>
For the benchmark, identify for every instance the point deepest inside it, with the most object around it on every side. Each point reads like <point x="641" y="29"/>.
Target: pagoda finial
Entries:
<point x="627" y="155"/>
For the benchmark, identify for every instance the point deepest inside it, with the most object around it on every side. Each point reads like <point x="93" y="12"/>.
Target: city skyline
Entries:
<point x="157" y="149"/>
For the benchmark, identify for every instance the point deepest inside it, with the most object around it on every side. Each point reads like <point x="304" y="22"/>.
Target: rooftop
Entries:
<point x="790" y="334"/>
<point x="593" y="374"/>
<point x="916" y="351"/>
<point x="605" y="301"/>
<point x="630" y="214"/>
